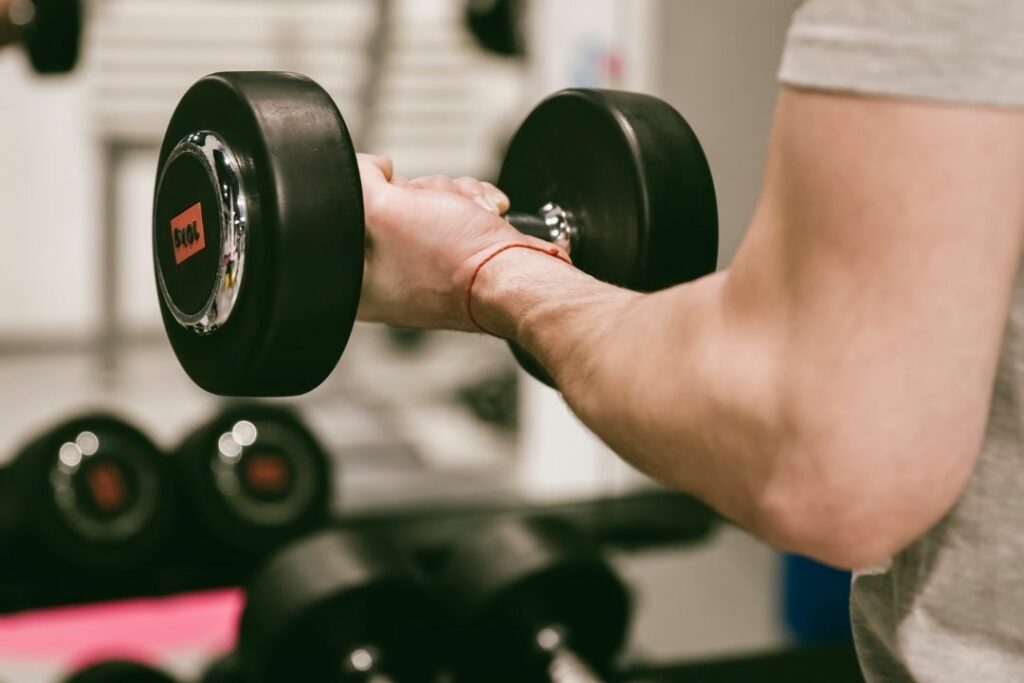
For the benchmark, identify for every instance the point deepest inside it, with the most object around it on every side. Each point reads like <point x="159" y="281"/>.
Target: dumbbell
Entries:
<point x="536" y="602"/>
<point x="252" y="477"/>
<point x="406" y="339"/>
<point x="49" y="31"/>
<point x="119" y="671"/>
<point x="337" y="607"/>
<point x="258" y="225"/>
<point x="493" y="399"/>
<point x="497" y="25"/>
<point x="223" y="669"/>
<point x="91" y="494"/>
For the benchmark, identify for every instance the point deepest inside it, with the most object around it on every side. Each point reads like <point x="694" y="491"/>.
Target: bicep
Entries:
<point x="879" y="269"/>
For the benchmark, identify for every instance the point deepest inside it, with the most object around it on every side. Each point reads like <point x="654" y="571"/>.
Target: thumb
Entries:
<point x="376" y="164"/>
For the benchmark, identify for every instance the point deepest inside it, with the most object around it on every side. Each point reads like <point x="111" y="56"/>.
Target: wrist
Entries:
<point x="514" y="284"/>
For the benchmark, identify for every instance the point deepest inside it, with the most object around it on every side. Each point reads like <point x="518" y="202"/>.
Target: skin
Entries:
<point x="829" y="391"/>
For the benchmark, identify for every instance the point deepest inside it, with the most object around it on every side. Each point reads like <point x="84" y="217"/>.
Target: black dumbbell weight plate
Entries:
<point x="328" y="596"/>
<point x="511" y="578"/>
<point x="258" y="233"/>
<point x="95" y="494"/>
<point x="224" y="669"/>
<point x="119" y="671"/>
<point x="9" y="506"/>
<point x="53" y="36"/>
<point x="632" y="174"/>
<point x="256" y="477"/>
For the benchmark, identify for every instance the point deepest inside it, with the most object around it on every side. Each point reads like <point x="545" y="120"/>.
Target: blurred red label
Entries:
<point x="187" y="233"/>
<point x="106" y="482"/>
<point x="267" y="473"/>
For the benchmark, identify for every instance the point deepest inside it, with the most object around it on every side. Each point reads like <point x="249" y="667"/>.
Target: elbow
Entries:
<point x="858" y="497"/>
<point x="840" y="533"/>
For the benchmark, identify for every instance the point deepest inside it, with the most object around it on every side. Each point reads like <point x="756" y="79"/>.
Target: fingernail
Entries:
<point x="486" y="203"/>
<point x="497" y="199"/>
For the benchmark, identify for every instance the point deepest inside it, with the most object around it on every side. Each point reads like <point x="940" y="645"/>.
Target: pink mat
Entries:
<point x="146" y="629"/>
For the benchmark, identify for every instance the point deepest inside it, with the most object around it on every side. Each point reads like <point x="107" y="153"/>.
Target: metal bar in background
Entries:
<point x="42" y="345"/>
<point x="109" y="324"/>
<point x="377" y="50"/>
<point x="110" y="337"/>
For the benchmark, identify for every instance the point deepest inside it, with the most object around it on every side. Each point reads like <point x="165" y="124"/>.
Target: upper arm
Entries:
<point x="877" y="273"/>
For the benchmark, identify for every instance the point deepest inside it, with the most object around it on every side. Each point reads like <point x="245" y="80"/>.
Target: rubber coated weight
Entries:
<point x="509" y="580"/>
<point x="333" y="601"/>
<point x="254" y="477"/>
<point x="9" y="509"/>
<point x="119" y="671"/>
<point x="497" y="25"/>
<point x="94" y="494"/>
<point x="258" y="233"/>
<point x="226" y="669"/>
<point x="631" y="173"/>
<point x="52" y="37"/>
<point x="494" y="398"/>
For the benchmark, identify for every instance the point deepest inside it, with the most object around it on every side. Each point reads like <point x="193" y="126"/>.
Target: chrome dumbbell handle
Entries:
<point x="551" y="223"/>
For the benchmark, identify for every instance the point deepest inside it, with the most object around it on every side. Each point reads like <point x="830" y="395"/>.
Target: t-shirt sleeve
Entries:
<point x="951" y="50"/>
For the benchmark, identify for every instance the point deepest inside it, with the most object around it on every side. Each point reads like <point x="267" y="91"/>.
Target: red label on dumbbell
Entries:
<point x="267" y="474"/>
<point x="108" y="487"/>
<point x="187" y="233"/>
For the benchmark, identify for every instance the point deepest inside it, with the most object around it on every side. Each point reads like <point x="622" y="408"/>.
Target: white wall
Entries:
<point x="717" y="65"/>
<point x="48" y="200"/>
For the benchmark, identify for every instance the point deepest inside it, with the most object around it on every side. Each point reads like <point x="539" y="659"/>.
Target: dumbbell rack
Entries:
<point x="637" y="520"/>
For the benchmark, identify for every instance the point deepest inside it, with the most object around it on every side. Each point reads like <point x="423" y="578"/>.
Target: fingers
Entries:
<point x="380" y="163"/>
<point x="484" y="194"/>
<point x="467" y="187"/>
<point x="440" y="183"/>
<point x="498" y="197"/>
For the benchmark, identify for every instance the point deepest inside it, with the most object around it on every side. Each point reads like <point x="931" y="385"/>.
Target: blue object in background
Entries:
<point x="815" y="601"/>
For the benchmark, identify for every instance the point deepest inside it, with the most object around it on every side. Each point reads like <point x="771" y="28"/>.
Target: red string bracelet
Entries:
<point x="550" y="251"/>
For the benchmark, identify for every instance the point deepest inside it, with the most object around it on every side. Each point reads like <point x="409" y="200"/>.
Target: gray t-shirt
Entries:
<point x="951" y="606"/>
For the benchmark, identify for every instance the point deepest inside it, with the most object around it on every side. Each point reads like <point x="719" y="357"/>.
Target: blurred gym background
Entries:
<point x="432" y="421"/>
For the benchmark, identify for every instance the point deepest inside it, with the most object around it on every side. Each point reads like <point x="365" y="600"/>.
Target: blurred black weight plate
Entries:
<point x="52" y="33"/>
<point x="508" y="581"/>
<point x="339" y="606"/>
<point x="119" y="671"/>
<point x="93" y="493"/>
<point x="253" y="477"/>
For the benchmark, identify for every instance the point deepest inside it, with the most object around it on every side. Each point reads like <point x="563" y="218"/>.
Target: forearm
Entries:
<point x="721" y="388"/>
<point x="656" y="376"/>
<point x="826" y="417"/>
